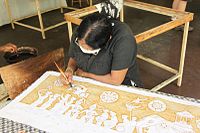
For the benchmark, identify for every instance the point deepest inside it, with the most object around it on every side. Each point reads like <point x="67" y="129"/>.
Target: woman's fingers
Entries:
<point x="63" y="80"/>
<point x="67" y="78"/>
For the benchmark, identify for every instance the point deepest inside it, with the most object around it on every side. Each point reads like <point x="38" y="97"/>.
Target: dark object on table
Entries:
<point x="22" y="53"/>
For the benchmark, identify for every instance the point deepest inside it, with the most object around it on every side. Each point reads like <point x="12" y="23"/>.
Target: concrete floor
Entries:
<point x="164" y="48"/>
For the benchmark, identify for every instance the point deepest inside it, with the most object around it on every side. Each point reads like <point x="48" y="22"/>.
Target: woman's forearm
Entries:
<point x="72" y="65"/>
<point x="105" y="78"/>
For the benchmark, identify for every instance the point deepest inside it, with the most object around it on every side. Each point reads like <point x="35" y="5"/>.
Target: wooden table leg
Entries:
<point x="90" y="2"/>
<point x="122" y="14"/>
<point x="69" y="25"/>
<point x="40" y="18"/>
<point x="183" y="50"/>
<point x="9" y="13"/>
<point x="61" y="9"/>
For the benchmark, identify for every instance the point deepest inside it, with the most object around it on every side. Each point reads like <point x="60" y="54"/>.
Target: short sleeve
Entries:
<point x="124" y="53"/>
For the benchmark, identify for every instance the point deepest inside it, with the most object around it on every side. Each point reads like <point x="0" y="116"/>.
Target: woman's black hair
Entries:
<point x="96" y="30"/>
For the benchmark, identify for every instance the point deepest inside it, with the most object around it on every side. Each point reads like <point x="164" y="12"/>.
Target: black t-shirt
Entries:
<point x="119" y="53"/>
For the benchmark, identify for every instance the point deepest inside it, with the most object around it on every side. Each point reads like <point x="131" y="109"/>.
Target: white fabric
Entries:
<point x="22" y="8"/>
<point x="56" y="123"/>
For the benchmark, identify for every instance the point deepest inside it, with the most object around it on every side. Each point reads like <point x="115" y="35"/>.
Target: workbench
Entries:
<point x="183" y="18"/>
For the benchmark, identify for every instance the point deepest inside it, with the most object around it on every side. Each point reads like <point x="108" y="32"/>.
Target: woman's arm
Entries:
<point x="71" y="65"/>
<point x="116" y="77"/>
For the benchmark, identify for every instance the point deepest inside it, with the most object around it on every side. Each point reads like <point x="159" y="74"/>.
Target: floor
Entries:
<point x="164" y="48"/>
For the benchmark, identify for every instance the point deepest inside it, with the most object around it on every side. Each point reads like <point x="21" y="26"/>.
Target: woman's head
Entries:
<point x="94" y="31"/>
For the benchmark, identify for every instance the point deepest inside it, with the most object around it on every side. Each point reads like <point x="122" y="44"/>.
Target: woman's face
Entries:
<point x="85" y="48"/>
<point x="84" y="45"/>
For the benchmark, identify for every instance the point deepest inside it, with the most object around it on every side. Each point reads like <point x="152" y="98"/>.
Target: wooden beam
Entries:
<point x="165" y="83"/>
<point x="72" y="19"/>
<point x="162" y="28"/>
<point x="54" y="26"/>
<point x="82" y="12"/>
<point x="28" y="26"/>
<point x="69" y="26"/>
<point x="154" y="8"/>
<point x="160" y="65"/>
<point x="183" y="50"/>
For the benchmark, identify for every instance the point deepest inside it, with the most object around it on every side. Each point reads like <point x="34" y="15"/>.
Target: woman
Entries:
<point x="105" y="50"/>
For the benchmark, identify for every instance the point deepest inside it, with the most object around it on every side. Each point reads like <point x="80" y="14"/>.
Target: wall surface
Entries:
<point x="21" y="8"/>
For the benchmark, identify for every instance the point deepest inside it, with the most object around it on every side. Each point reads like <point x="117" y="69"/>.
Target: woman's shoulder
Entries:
<point x="122" y="37"/>
<point x="121" y="28"/>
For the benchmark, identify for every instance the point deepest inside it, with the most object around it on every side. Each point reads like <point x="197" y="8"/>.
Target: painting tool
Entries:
<point x="63" y="74"/>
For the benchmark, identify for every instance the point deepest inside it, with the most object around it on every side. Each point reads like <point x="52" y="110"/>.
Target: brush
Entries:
<point x="63" y="74"/>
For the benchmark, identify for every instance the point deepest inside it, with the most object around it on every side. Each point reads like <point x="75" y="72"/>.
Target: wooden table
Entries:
<point x="41" y="29"/>
<point x="182" y="18"/>
<point x="17" y="77"/>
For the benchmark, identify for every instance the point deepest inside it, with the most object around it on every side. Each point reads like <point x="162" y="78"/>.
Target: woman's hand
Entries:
<point x="68" y="76"/>
<point x="8" y="48"/>
<point x="80" y="72"/>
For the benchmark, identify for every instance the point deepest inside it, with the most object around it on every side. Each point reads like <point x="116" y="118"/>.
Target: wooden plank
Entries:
<point x="54" y="26"/>
<point x="153" y="62"/>
<point x="9" y="13"/>
<point x="122" y="14"/>
<point x="165" y="83"/>
<point x="83" y="12"/>
<point x="183" y="50"/>
<point x="73" y="20"/>
<point x="28" y="26"/>
<point x="162" y="28"/>
<point x="37" y="4"/>
<point x="154" y="8"/>
<point x="69" y="25"/>
<point x="19" y="76"/>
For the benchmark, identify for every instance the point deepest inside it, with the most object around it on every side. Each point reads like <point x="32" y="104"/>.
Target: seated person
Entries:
<point x="105" y="50"/>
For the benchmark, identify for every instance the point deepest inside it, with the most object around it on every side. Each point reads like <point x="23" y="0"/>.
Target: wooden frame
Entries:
<point x="182" y="18"/>
<point x="42" y="29"/>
